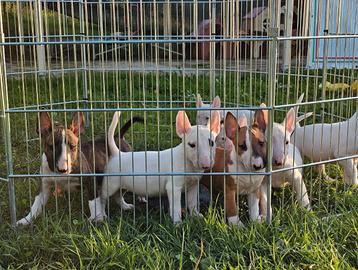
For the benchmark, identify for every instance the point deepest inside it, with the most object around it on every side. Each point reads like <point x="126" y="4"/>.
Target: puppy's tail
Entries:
<point x="299" y="100"/>
<point x="128" y="124"/>
<point x="112" y="128"/>
<point x="302" y="117"/>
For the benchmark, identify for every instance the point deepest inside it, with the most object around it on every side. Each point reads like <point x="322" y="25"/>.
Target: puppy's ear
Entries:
<point x="289" y="122"/>
<point x="216" y="102"/>
<point x="231" y="125"/>
<point x="229" y="145"/>
<point x="182" y="124"/>
<point x="214" y="124"/>
<point x="199" y="101"/>
<point x="261" y="118"/>
<point x="78" y="123"/>
<point x="45" y="124"/>
<point x="300" y="99"/>
<point x="242" y="121"/>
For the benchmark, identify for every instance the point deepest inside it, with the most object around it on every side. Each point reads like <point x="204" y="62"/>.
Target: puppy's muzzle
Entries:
<point x="63" y="171"/>
<point x="279" y="162"/>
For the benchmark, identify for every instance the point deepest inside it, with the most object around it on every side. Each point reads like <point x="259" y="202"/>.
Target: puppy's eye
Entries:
<point x="211" y="142"/>
<point x="73" y="146"/>
<point x="192" y="145"/>
<point x="261" y="143"/>
<point x="207" y="118"/>
<point x="243" y="146"/>
<point x="287" y="142"/>
<point x="222" y="122"/>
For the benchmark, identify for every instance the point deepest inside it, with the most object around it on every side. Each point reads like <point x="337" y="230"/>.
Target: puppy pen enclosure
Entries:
<point x="151" y="59"/>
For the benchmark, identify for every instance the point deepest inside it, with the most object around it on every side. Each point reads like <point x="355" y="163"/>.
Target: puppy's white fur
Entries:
<point x="320" y="142"/>
<point x="292" y="177"/>
<point x="196" y="153"/>
<point x="286" y="155"/>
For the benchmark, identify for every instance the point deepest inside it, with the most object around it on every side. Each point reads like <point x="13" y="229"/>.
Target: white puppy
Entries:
<point x="195" y="153"/>
<point x="320" y="142"/>
<point x="286" y="155"/>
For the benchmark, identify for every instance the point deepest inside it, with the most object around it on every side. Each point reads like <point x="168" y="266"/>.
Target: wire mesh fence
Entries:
<point x="78" y="62"/>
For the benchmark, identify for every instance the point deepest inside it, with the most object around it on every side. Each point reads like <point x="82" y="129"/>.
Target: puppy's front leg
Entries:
<point x="254" y="210"/>
<point x="36" y="208"/>
<point x="263" y="199"/>
<point x="174" y="196"/>
<point x="321" y="169"/>
<point x="350" y="171"/>
<point x="231" y="210"/>
<point x="300" y="189"/>
<point x="193" y="191"/>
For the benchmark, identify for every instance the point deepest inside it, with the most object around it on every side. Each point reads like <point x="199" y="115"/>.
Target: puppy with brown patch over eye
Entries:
<point x="286" y="155"/>
<point x="245" y="151"/>
<point x="63" y="154"/>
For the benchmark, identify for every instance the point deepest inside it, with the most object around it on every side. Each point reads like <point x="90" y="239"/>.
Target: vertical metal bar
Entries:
<point x="212" y="48"/>
<point x="41" y="58"/>
<point x="324" y="80"/>
<point x="325" y="57"/>
<point x="4" y="104"/>
<point x="288" y="32"/>
<point x="83" y="58"/>
<point x="272" y="63"/>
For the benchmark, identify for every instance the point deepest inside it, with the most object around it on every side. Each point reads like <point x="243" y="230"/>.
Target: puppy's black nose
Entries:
<point x="61" y="171"/>
<point x="205" y="168"/>
<point x="278" y="163"/>
<point x="257" y="167"/>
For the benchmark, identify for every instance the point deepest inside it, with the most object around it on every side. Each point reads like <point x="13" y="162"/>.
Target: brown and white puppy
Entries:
<point x="63" y="154"/>
<point x="245" y="151"/>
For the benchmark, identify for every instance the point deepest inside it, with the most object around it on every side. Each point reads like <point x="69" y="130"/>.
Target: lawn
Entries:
<point x="325" y="238"/>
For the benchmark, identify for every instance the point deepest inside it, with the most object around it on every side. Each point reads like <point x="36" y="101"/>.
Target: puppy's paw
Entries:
<point x="235" y="221"/>
<point x="260" y="219"/>
<point x="177" y="222"/>
<point x="197" y="215"/>
<point x="307" y="207"/>
<point x="142" y="199"/>
<point x="23" y="222"/>
<point x="98" y="218"/>
<point x="127" y="206"/>
<point x="327" y="178"/>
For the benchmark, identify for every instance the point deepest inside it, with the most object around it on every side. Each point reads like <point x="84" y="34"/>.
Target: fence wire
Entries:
<point x="64" y="60"/>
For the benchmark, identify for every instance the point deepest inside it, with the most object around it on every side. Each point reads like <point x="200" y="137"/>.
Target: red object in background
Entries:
<point x="201" y="50"/>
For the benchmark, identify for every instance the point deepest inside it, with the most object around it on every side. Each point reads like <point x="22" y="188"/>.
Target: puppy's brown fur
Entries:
<point x="225" y="183"/>
<point x="219" y="184"/>
<point x="89" y="157"/>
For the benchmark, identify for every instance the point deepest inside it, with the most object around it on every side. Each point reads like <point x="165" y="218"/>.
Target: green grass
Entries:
<point x="24" y="25"/>
<point x="324" y="238"/>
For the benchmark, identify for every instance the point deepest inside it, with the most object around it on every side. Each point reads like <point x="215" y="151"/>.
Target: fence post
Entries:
<point x="288" y="32"/>
<point x="212" y="49"/>
<point x="325" y="59"/>
<point x="83" y="58"/>
<point x="40" y="49"/>
<point x="273" y="32"/>
<point x="4" y="105"/>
